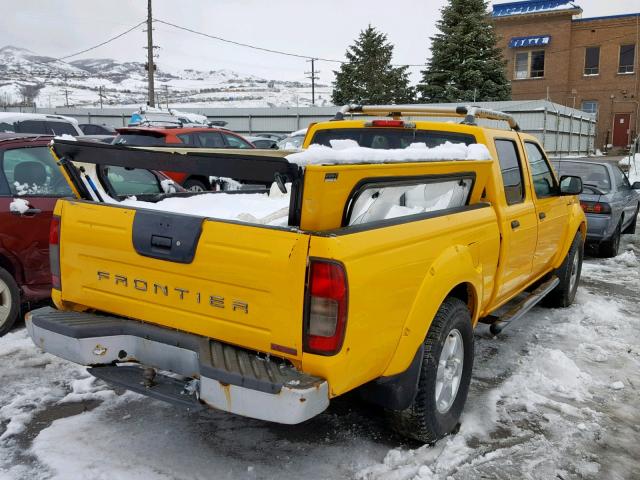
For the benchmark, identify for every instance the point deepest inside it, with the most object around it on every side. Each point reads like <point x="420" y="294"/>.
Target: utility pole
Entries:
<point x="313" y="77"/>
<point x="66" y="96"/>
<point x="150" y="64"/>
<point x="101" y="95"/>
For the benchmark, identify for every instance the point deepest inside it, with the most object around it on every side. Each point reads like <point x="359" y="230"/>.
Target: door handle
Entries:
<point x="542" y="215"/>
<point x="515" y="224"/>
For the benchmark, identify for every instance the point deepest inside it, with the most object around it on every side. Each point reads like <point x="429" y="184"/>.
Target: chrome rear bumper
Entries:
<point x="229" y="378"/>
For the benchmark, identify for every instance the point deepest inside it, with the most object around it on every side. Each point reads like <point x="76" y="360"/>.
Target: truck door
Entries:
<point x="551" y="209"/>
<point x="518" y="221"/>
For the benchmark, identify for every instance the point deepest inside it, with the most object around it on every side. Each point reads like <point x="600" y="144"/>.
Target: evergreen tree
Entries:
<point x="368" y="77"/>
<point x="465" y="61"/>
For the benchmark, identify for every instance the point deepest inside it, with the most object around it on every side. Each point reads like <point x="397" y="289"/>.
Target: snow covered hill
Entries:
<point x="79" y="82"/>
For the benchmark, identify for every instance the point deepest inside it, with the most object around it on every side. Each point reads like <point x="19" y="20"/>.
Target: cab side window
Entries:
<point x="544" y="183"/>
<point x="511" y="171"/>
<point x="33" y="171"/>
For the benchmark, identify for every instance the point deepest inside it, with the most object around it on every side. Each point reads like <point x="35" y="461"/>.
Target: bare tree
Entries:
<point x="30" y="92"/>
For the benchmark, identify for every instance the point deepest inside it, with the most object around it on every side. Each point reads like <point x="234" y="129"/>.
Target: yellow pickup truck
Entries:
<point x="360" y="269"/>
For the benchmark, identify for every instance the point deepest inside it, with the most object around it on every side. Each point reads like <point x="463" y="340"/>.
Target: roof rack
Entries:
<point x="469" y="113"/>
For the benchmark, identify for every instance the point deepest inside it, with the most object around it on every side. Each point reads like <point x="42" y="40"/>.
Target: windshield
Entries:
<point x="139" y="140"/>
<point x="591" y="174"/>
<point x="387" y="138"/>
<point x="291" y="143"/>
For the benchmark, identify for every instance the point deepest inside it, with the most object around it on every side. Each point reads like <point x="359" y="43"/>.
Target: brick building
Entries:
<point x="587" y="63"/>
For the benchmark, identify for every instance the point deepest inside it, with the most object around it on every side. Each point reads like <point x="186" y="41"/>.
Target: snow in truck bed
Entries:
<point x="273" y="208"/>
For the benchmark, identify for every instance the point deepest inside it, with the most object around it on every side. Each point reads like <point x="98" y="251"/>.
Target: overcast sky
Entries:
<point x="322" y="28"/>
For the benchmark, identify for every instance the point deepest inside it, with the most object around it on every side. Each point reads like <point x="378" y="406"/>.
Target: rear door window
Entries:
<point x="189" y="139"/>
<point x="61" y="128"/>
<point x="32" y="126"/>
<point x="387" y="200"/>
<point x="211" y="140"/>
<point x="511" y="169"/>
<point x="32" y="171"/>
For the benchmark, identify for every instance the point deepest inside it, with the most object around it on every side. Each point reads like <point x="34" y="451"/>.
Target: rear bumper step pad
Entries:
<point x="230" y="378"/>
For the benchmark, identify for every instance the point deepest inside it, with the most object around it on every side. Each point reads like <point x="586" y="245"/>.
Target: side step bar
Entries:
<point x="500" y="323"/>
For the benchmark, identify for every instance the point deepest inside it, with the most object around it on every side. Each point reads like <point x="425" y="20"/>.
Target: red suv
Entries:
<point x="186" y="137"/>
<point x="30" y="185"/>
<point x="27" y="172"/>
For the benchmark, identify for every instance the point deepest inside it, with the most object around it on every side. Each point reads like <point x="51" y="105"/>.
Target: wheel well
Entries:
<point x="466" y="293"/>
<point x="200" y="178"/>
<point x="8" y="266"/>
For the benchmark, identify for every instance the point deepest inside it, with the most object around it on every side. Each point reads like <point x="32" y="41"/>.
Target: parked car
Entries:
<point x="610" y="202"/>
<point x="264" y="143"/>
<point x="273" y="136"/>
<point x="39" y="123"/>
<point x="30" y="185"/>
<point x="203" y="137"/>
<point x="293" y="141"/>
<point x="374" y="281"/>
<point x="96" y="129"/>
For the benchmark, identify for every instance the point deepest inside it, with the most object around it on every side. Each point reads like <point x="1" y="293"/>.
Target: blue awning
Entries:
<point x="531" y="6"/>
<point x="536" y="41"/>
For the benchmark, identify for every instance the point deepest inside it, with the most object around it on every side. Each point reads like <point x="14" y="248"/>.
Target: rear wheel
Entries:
<point x="444" y="378"/>
<point x="195" y="185"/>
<point x="9" y="301"/>
<point x="569" y="276"/>
<point x="609" y="248"/>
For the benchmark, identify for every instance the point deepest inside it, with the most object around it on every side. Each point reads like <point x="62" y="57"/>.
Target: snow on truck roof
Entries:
<point x="349" y="152"/>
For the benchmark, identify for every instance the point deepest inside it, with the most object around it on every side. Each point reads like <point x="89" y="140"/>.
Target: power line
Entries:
<point x="103" y="43"/>
<point x="263" y="49"/>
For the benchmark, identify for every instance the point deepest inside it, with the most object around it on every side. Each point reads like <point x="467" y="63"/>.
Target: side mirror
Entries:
<point x="570" y="185"/>
<point x="636" y="185"/>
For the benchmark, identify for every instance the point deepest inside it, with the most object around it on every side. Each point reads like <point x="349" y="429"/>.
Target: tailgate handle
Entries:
<point x="161" y="242"/>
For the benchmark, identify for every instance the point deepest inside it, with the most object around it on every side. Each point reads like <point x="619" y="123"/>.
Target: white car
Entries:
<point x="39" y="123"/>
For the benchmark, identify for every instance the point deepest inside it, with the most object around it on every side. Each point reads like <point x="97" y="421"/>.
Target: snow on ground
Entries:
<point x="554" y="397"/>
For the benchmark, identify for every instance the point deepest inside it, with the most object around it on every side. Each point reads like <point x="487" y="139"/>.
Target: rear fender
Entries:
<point x="453" y="268"/>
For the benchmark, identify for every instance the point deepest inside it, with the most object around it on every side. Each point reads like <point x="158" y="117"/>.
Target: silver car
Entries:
<point x="610" y="202"/>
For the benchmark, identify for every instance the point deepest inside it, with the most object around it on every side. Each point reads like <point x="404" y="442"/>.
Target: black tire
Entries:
<point x="195" y="185"/>
<point x="9" y="301"/>
<point x="422" y="420"/>
<point x="631" y="228"/>
<point x="610" y="247"/>
<point x="564" y="294"/>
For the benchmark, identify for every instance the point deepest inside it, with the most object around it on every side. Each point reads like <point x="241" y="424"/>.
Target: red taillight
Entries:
<point x="54" y="252"/>
<point x="387" y="123"/>
<point x="326" y="308"/>
<point x="595" y="207"/>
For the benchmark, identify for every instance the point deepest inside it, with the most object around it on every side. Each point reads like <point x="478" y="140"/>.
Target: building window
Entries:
<point x="592" y="61"/>
<point x="590" y="106"/>
<point x="529" y="64"/>
<point x="627" y="58"/>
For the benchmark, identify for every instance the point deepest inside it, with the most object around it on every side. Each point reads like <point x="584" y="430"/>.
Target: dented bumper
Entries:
<point x="227" y="378"/>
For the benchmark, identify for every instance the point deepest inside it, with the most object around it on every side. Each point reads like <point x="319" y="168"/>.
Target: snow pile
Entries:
<point x="348" y="151"/>
<point x="19" y="205"/>
<point x="258" y="208"/>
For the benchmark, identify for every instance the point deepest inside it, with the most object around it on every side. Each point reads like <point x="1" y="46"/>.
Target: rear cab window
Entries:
<point x="387" y="138"/>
